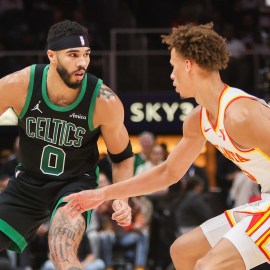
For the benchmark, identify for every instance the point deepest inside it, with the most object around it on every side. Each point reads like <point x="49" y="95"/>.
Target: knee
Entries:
<point x="173" y="250"/>
<point x="205" y="264"/>
<point x="202" y="265"/>
<point x="177" y="249"/>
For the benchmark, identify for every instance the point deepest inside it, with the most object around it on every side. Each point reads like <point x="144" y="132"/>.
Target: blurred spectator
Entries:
<point x="93" y="230"/>
<point x="243" y="189"/>
<point x="192" y="11"/>
<point x="156" y="156"/>
<point x="133" y="240"/>
<point x="7" y="5"/>
<point x="196" y="171"/>
<point x="4" y="155"/>
<point x="147" y="141"/>
<point x="235" y="45"/>
<point x="163" y="226"/>
<point x="5" y="263"/>
<point x="165" y="150"/>
<point x="4" y="179"/>
<point x="105" y="166"/>
<point x="238" y="61"/>
<point x="226" y="171"/>
<point x="193" y="210"/>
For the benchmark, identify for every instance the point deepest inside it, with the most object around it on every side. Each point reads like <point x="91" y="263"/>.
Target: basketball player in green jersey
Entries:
<point x="61" y="112"/>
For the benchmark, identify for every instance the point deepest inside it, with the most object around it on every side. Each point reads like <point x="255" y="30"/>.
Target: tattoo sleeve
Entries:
<point x="106" y="92"/>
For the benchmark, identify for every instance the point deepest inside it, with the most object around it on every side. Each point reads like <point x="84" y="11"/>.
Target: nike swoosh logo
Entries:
<point x="206" y="130"/>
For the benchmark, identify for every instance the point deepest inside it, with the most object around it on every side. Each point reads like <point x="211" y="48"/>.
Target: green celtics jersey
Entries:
<point x="58" y="143"/>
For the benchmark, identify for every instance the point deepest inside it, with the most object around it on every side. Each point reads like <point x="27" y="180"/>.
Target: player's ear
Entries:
<point x="51" y="55"/>
<point x="188" y="64"/>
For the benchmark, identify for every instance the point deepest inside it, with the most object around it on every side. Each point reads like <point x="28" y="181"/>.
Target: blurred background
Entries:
<point x="128" y="55"/>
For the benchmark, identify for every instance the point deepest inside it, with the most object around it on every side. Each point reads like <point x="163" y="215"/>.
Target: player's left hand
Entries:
<point x="122" y="213"/>
<point x="79" y="202"/>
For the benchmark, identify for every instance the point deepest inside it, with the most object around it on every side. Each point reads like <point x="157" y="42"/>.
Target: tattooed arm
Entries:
<point x="109" y="115"/>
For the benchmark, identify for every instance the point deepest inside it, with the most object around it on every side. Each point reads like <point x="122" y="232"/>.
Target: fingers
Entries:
<point x="119" y="217"/>
<point x="125" y="222"/>
<point x="70" y="197"/>
<point x="117" y="205"/>
<point x="122" y="214"/>
<point x="73" y="209"/>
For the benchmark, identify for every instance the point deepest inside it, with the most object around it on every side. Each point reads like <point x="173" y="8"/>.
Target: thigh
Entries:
<point x="66" y="230"/>
<point x="235" y="249"/>
<point x="222" y="256"/>
<point x="65" y="235"/>
<point x="252" y="252"/>
<point x="193" y="243"/>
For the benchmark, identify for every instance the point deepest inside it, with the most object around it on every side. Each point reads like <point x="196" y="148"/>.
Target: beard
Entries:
<point x="66" y="77"/>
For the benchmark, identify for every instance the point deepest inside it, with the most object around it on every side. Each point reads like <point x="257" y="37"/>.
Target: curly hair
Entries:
<point x="65" y="28"/>
<point x="200" y="43"/>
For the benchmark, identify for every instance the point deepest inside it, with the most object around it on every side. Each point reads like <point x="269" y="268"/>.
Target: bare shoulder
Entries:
<point x="13" y="89"/>
<point x="109" y="108"/>
<point x="18" y="78"/>
<point x="243" y="112"/>
<point x="192" y="125"/>
<point x="247" y="121"/>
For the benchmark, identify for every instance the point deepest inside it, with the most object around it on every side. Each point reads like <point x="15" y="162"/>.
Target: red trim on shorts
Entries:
<point x="266" y="240"/>
<point x="228" y="218"/>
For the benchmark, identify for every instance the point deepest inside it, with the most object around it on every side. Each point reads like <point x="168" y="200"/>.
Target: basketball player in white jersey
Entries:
<point x="238" y="124"/>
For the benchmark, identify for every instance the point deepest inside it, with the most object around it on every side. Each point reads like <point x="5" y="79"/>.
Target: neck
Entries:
<point x="208" y="93"/>
<point x="58" y="92"/>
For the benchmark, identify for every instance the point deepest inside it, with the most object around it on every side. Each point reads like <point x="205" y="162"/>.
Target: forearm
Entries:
<point x="122" y="171"/>
<point x="148" y="182"/>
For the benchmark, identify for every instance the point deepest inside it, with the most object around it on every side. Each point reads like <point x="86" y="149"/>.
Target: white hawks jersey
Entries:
<point x="253" y="162"/>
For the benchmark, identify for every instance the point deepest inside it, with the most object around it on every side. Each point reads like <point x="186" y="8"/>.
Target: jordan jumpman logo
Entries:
<point x="37" y="108"/>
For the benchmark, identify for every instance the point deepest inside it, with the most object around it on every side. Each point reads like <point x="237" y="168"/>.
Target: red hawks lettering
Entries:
<point x="231" y="155"/>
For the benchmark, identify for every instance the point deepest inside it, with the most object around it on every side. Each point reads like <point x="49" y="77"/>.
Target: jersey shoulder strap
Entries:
<point x="35" y="80"/>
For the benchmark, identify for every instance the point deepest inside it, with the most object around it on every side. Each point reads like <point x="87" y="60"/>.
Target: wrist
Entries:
<point x="105" y="194"/>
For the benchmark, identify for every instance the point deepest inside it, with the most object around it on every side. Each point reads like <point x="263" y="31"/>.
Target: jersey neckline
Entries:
<point x="56" y="107"/>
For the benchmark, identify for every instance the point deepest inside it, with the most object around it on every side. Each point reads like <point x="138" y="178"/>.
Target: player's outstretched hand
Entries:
<point x="82" y="201"/>
<point x="122" y="213"/>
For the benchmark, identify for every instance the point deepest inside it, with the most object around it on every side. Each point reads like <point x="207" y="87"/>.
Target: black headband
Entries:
<point x="68" y="42"/>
